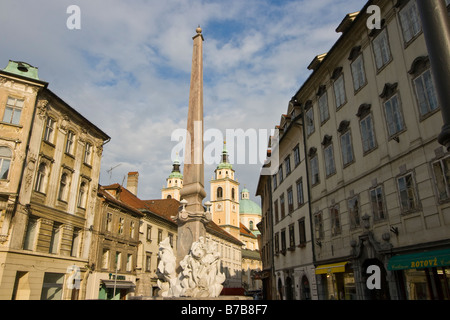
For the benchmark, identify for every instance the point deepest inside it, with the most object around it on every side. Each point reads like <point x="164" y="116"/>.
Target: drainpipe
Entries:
<point x="436" y="29"/>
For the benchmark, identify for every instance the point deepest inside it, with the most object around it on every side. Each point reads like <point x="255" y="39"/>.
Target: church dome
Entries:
<point x="247" y="206"/>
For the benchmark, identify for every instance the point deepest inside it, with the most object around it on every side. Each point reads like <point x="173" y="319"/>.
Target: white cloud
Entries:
<point x="128" y="68"/>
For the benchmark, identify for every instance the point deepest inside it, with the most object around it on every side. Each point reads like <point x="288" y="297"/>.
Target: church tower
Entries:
<point x="224" y="196"/>
<point x="174" y="183"/>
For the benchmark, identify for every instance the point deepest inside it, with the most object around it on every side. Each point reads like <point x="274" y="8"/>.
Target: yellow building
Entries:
<point x="50" y="164"/>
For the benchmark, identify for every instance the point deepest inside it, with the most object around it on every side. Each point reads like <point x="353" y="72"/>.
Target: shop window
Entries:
<point x="52" y="287"/>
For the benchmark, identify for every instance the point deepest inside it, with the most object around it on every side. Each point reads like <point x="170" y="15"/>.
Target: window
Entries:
<point x="55" y="238"/>
<point x="52" y="286"/>
<point x="70" y="142"/>
<point x="280" y="174"/>
<point x="296" y="156"/>
<point x="283" y="240"/>
<point x="314" y="170"/>
<point x="290" y="197"/>
<point x="274" y="181"/>
<point x="108" y="221"/>
<point x="291" y="237"/>
<point x="381" y="49"/>
<point x="88" y="153"/>
<point x="287" y="164"/>
<point x="13" y="111"/>
<point x="394" y="116"/>
<point x="148" y="261"/>
<point x="323" y="108"/>
<point x="132" y="229"/>
<point x="442" y="176"/>
<point x="407" y="193"/>
<point x="410" y="21"/>
<point x="335" y="221"/>
<point x="277" y="217"/>
<point x="105" y="259"/>
<point x="5" y="162"/>
<point x="377" y="202"/>
<point x="63" y="187"/>
<point x="358" y="73"/>
<point x="309" y="121"/>
<point x="219" y="193"/>
<point x="171" y="239"/>
<point x="118" y="261"/>
<point x="149" y="233"/>
<point x="339" y="91"/>
<point x="82" y="195"/>
<point x="251" y="225"/>
<point x="300" y="197"/>
<point x="277" y="243"/>
<point x="76" y="237"/>
<point x="367" y="133"/>
<point x="302" y="231"/>
<point x="129" y="262"/>
<point x="49" y="130"/>
<point x="353" y="211"/>
<point x="282" y="207"/>
<point x="346" y="148"/>
<point x="330" y="167"/>
<point x="425" y="93"/>
<point x="30" y="233"/>
<point x="120" y="226"/>
<point x="318" y="225"/>
<point x="41" y="178"/>
<point x="160" y="234"/>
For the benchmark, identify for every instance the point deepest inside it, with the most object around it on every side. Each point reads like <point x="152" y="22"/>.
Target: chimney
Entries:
<point x="132" y="182"/>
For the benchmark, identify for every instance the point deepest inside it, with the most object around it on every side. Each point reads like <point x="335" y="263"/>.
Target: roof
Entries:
<point x="246" y="232"/>
<point x="164" y="208"/>
<point x="110" y="198"/>
<point x="248" y="206"/>
<point x="22" y="69"/>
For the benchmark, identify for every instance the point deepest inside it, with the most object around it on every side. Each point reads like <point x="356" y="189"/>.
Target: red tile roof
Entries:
<point x="165" y="208"/>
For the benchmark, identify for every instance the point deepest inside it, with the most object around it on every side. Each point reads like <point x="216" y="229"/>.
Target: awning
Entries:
<point x="421" y="260"/>
<point x="331" y="268"/>
<point x="120" y="284"/>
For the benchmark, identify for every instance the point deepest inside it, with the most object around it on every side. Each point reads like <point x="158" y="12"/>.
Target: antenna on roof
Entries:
<point x="110" y="171"/>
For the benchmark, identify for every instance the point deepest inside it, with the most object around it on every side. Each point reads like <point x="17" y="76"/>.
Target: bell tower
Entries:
<point x="225" y="196"/>
<point x="174" y="183"/>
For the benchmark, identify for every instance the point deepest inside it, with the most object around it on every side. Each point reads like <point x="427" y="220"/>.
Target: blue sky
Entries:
<point x="128" y="68"/>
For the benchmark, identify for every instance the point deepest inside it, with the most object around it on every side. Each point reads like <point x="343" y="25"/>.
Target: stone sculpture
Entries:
<point x="200" y="275"/>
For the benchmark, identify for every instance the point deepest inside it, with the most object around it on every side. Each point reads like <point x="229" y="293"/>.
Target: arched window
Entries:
<point x="41" y="178"/>
<point x="250" y="225"/>
<point x="219" y="193"/>
<point x="169" y="197"/>
<point x="5" y="162"/>
<point x="63" y="187"/>
<point x="232" y="194"/>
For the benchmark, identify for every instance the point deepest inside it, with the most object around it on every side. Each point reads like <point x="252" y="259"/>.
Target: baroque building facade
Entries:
<point x="50" y="165"/>
<point x="376" y="175"/>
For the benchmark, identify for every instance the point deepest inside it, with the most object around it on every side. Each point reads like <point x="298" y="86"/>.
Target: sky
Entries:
<point x="127" y="69"/>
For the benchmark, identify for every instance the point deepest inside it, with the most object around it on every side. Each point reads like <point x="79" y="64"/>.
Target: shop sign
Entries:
<point x="114" y="277"/>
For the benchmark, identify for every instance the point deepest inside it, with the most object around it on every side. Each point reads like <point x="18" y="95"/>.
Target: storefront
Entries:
<point x="422" y="275"/>
<point x="336" y="281"/>
<point x="111" y="287"/>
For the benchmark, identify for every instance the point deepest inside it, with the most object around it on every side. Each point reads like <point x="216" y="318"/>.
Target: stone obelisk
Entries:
<point x="192" y="217"/>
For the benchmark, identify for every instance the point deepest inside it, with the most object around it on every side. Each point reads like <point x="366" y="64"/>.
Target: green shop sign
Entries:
<point x="430" y="259"/>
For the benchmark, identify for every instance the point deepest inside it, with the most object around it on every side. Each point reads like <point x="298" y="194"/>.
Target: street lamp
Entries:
<point x="436" y="29"/>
